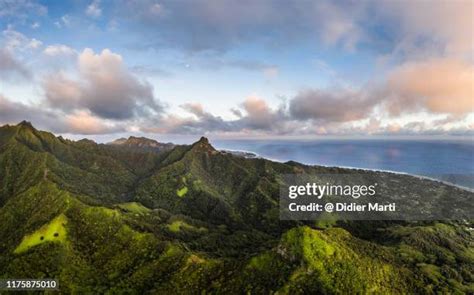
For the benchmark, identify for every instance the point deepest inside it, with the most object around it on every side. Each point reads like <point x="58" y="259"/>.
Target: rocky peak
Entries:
<point x="26" y="124"/>
<point x="141" y="142"/>
<point x="203" y="145"/>
<point x="204" y="140"/>
<point x="121" y="140"/>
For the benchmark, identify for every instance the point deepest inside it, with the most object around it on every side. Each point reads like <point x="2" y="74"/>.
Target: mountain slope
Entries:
<point x="141" y="143"/>
<point x="191" y="219"/>
<point x="84" y="167"/>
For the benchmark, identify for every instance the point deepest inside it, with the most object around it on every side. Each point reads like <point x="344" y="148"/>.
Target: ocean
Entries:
<point x="447" y="160"/>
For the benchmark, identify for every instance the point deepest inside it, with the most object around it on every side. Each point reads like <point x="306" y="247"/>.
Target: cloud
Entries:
<point x="220" y="25"/>
<point x="416" y="128"/>
<point x="59" y="50"/>
<point x="337" y="111"/>
<point x="249" y="65"/>
<point x="195" y="109"/>
<point x="61" y="92"/>
<point x="10" y="67"/>
<point x="427" y="48"/>
<point x="93" y="9"/>
<point x="79" y="122"/>
<point x="394" y="27"/>
<point x="268" y="70"/>
<point x="271" y="72"/>
<point x="335" y="25"/>
<point x="332" y="105"/>
<point x="434" y="85"/>
<point x="256" y="116"/>
<point x="64" y="21"/>
<point x="14" y="112"/>
<point x="21" y="9"/>
<point x="104" y="86"/>
<point x="150" y="71"/>
<point x="259" y="115"/>
<point x="83" y="122"/>
<point x="15" y="49"/>
<point x="446" y="24"/>
<point x="216" y="63"/>
<point x="15" y="41"/>
<point x="202" y="122"/>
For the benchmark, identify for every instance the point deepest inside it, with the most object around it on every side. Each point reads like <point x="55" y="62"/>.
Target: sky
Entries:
<point x="239" y="69"/>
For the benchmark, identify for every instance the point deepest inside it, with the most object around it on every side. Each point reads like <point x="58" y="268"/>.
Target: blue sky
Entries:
<point x="264" y="69"/>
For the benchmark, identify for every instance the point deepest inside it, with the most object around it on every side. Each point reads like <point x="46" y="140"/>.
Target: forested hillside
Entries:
<point x="140" y="216"/>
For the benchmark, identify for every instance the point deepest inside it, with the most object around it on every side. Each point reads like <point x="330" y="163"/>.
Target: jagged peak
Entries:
<point x="26" y="124"/>
<point x="133" y="140"/>
<point x="118" y="141"/>
<point x="203" y="145"/>
<point x="26" y="128"/>
<point x="25" y="133"/>
<point x="141" y="138"/>
<point x="86" y="141"/>
<point x="204" y="140"/>
<point x="142" y="142"/>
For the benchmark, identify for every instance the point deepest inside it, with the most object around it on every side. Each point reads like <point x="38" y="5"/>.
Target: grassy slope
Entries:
<point x="55" y="231"/>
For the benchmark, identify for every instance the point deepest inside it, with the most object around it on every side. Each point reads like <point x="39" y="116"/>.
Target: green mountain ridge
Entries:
<point x="189" y="219"/>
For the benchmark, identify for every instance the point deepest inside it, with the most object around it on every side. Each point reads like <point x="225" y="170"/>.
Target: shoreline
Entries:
<point x="258" y="156"/>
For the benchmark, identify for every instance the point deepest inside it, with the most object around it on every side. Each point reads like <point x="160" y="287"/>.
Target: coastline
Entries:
<point x="258" y="156"/>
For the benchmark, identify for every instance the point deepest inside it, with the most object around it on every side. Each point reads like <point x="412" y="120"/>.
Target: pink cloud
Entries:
<point x="436" y="85"/>
<point x="83" y="122"/>
<point x="102" y="85"/>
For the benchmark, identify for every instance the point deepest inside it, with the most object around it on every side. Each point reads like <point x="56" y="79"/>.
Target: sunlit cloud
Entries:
<point x="104" y="86"/>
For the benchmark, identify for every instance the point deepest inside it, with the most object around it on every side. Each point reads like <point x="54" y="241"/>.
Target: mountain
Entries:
<point x="141" y="143"/>
<point x="135" y="217"/>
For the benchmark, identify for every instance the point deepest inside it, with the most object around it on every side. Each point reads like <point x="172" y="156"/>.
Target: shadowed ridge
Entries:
<point x="35" y="139"/>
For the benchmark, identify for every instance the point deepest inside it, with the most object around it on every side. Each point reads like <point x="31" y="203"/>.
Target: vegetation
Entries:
<point x="182" y="192"/>
<point x="190" y="219"/>
<point x="55" y="231"/>
<point x="134" y="207"/>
